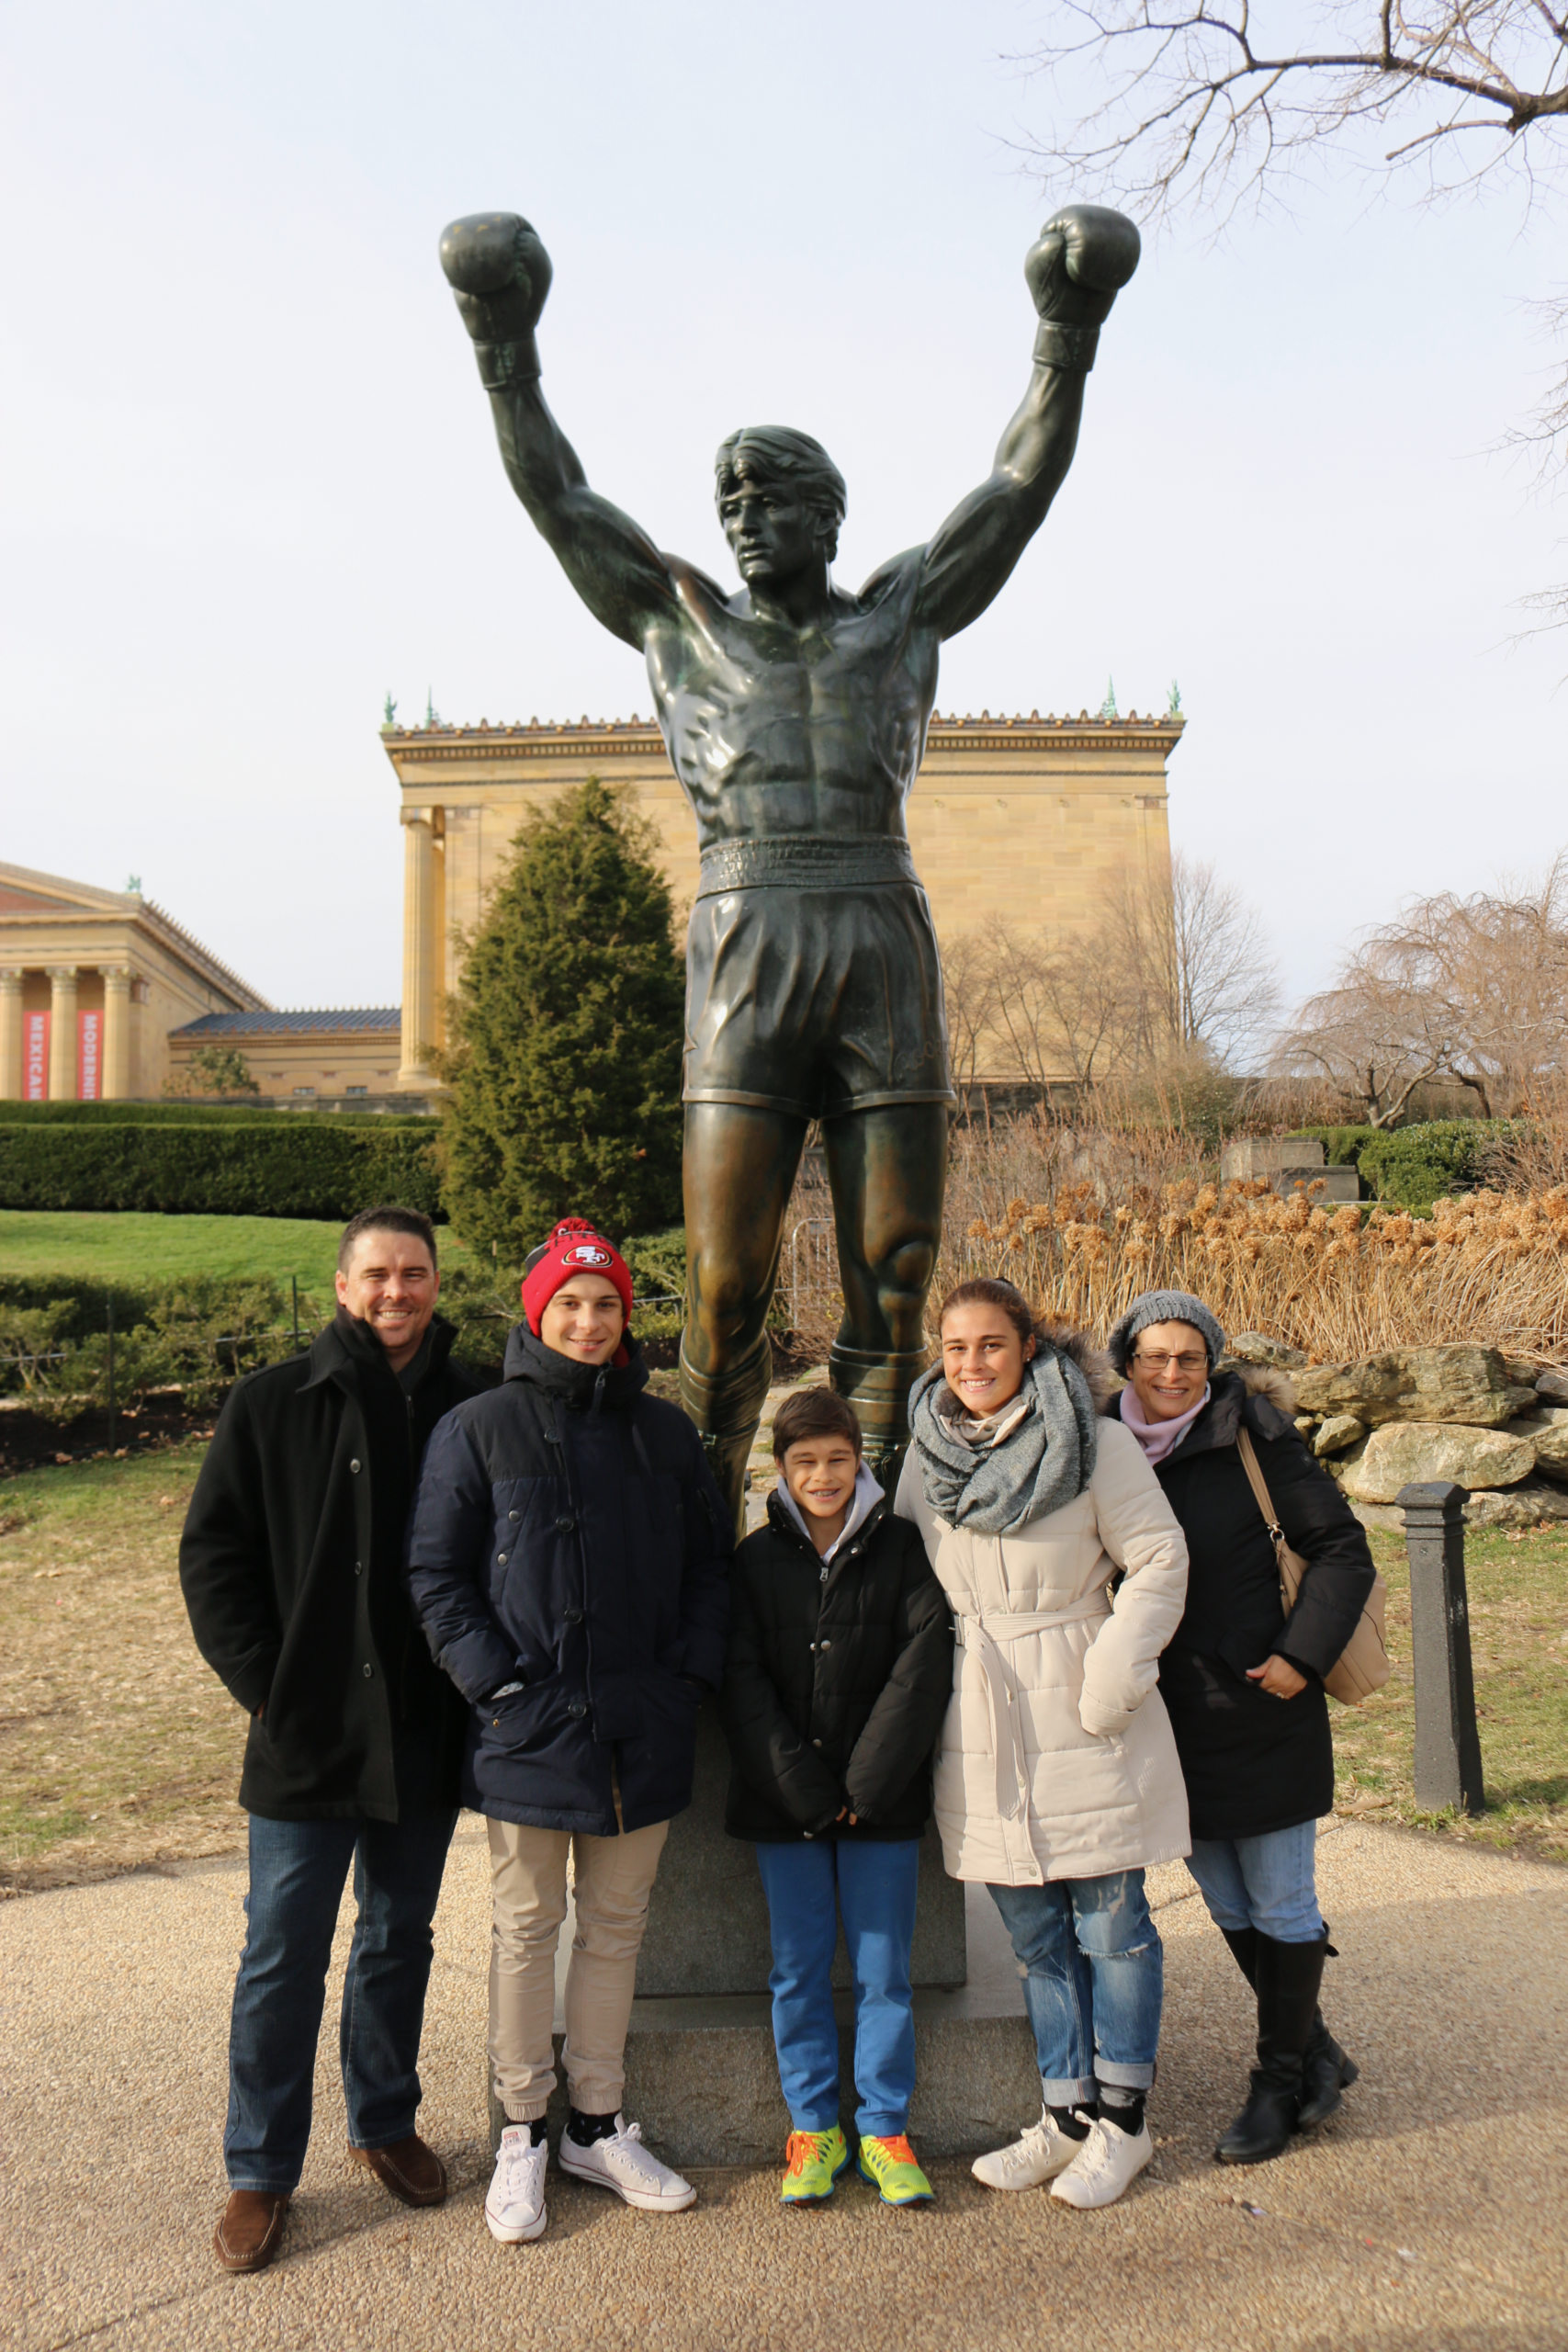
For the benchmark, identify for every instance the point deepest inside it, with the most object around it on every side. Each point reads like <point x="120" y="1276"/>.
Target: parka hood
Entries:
<point x="579" y="1386"/>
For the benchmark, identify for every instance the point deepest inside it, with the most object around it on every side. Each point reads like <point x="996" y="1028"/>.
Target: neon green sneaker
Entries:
<point x="813" y="2162"/>
<point x="890" y="2166"/>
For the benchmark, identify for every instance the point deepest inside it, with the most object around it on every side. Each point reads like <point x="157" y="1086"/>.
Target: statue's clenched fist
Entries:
<point x="500" y="274"/>
<point x="1084" y="255"/>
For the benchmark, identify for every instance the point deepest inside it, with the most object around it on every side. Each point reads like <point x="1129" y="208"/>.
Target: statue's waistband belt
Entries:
<point x="805" y="862"/>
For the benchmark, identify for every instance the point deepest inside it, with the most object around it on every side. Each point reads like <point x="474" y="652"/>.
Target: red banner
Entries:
<point x="34" y="1058"/>
<point x="89" y="1057"/>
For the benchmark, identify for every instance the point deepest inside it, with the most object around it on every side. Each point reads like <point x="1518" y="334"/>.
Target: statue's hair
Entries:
<point x="777" y="453"/>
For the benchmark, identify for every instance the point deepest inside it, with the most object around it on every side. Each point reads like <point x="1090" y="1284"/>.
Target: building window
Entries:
<point x="304" y="1090"/>
<point x="356" y="1090"/>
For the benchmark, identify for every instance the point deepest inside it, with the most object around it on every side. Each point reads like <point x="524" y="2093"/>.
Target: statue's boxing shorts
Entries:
<point x="813" y="983"/>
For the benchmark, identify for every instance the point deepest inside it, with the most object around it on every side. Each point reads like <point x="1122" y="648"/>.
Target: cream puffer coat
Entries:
<point x="1056" y="1758"/>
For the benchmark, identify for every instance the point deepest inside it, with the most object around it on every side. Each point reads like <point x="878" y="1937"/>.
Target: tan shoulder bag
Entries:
<point x="1363" y="1666"/>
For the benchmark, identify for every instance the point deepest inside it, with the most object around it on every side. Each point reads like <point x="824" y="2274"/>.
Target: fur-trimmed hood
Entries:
<point x="1265" y="1380"/>
<point x="1090" y="1360"/>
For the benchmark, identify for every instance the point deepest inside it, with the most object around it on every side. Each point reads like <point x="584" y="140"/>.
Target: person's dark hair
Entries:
<point x="985" y="1290"/>
<point x="764" y="453"/>
<point x="388" y="1218"/>
<point x="813" y="1412"/>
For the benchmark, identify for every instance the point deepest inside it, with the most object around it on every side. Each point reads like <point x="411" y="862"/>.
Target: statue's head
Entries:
<point x="781" y="500"/>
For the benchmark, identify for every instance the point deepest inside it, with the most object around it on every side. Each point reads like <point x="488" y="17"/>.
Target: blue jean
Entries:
<point x="873" y="1884"/>
<point x="298" y="1869"/>
<point x="1266" y="1882"/>
<point x="1093" y="1970"/>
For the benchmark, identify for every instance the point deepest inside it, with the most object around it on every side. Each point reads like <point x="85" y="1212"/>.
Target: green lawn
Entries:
<point x="133" y="1247"/>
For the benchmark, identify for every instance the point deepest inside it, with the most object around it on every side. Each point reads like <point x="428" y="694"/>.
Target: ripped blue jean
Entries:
<point x="1093" y="1970"/>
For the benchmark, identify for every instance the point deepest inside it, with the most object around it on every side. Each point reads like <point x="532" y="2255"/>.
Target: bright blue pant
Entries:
<point x="298" y="1869"/>
<point x="1266" y="1882"/>
<point x="1093" y="1970"/>
<point x="873" y="1884"/>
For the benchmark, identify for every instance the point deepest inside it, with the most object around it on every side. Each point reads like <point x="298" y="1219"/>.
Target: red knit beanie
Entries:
<point x="574" y="1248"/>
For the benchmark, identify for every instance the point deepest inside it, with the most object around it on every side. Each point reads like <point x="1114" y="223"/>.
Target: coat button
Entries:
<point x="513" y="1515"/>
<point x="827" y="1645"/>
<point x="354" y="1465"/>
<point x="572" y="1616"/>
<point x="816" y="1743"/>
<point x="359" y="1567"/>
<point x="565" y="1524"/>
<point x="368" y="1672"/>
<point x="577" y="1707"/>
<point x="500" y="1559"/>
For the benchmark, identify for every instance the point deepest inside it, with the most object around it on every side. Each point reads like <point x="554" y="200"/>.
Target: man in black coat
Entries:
<point x="291" y="1564"/>
<point x="569" y="1557"/>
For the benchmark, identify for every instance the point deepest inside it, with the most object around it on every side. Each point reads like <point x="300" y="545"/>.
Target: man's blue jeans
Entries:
<point x="298" y="1869"/>
<point x="873" y="1883"/>
<point x="1267" y="1882"/>
<point x="1093" y="1970"/>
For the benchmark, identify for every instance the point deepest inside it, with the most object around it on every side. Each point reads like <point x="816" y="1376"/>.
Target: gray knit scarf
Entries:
<point x="1042" y="1465"/>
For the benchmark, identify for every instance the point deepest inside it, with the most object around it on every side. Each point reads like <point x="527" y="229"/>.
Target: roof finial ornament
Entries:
<point x="390" y="715"/>
<point x="1174" y="707"/>
<point x="133" y="885"/>
<point x="432" y="716"/>
<point x="1107" y="707"/>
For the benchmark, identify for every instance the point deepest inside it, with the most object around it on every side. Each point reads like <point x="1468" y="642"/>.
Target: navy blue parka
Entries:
<point x="568" y="1534"/>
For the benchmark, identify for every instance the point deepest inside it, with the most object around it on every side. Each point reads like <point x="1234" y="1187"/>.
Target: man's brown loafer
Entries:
<point x="250" y="2230"/>
<point x="410" y="2170"/>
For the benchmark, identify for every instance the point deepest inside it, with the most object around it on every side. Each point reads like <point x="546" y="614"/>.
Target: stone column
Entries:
<point x="10" y="1035"/>
<point x="420" y="949"/>
<point x="116" y="1047"/>
<point x="63" y="1033"/>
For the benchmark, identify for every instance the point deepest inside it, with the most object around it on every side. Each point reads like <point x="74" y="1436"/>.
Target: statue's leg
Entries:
<point x="888" y="1170"/>
<point x="739" y="1169"/>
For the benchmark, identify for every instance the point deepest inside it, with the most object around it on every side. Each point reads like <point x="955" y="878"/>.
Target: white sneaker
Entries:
<point x="1108" y="2161"/>
<point x="514" y="2207"/>
<point x="1043" y="2152"/>
<point x="623" y="2163"/>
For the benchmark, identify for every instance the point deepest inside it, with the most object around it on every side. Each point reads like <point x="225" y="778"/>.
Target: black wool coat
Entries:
<point x="568" y="1535"/>
<point x="1254" y="1763"/>
<point x="291" y="1567"/>
<point x="837" y="1681"/>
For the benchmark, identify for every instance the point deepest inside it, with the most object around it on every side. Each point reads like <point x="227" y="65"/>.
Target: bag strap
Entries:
<point x="1255" y="1479"/>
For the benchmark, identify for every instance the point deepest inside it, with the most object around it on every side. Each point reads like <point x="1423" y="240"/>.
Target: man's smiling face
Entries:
<point x="391" y="1283"/>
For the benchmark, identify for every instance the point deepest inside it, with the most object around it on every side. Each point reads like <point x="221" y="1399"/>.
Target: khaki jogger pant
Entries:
<point x="613" y="1879"/>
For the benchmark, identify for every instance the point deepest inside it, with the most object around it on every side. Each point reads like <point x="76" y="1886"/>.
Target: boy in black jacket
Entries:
<point x="838" y="1676"/>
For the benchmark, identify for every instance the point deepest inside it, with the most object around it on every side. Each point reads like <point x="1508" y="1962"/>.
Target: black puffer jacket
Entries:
<point x="836" y="1683"/>
<point x="291" y="1565"/>
<point x="1253" y="1762"/>
<point x="568" y="1535"/>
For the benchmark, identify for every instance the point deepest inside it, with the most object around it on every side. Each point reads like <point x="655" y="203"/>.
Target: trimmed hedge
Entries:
<point x="1409" y="1167"/>
<point x="195" y="1114"/>
<point x="268" y="1167"/>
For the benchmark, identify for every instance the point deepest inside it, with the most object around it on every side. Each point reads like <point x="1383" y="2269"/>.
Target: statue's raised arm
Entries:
<point x="501" y="275"/>
<point x="1084" y="255"/>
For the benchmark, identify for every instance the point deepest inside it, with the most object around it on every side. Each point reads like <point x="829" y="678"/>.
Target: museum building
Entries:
<point x="105" y="996"/>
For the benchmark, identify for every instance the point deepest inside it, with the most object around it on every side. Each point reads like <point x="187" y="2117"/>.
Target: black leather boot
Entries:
<point x="1243" y="1943"/>
<point x="1288" y="1978"/>
<point x="1326" y="2070"/>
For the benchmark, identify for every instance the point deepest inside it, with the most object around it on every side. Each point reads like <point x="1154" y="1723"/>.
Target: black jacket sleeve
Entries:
<point x="448" y="1533"/>
<point x="901" y="1729"/>
<point x="1320" y="1525"/>
<point x="225" y="1563"/>
<point x="768" y="1751"/>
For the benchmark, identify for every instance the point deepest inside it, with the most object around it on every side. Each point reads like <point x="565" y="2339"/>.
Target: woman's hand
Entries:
<point x="1278" y="1677"/>
<point x="843" y="1813"/>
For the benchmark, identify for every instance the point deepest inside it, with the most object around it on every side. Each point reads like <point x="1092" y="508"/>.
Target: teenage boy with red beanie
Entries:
<point x="569" y="1558"/>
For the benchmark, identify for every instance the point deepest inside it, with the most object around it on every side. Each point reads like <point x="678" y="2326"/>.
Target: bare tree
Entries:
<point x="1204" y="976"/>
<point x="969" y="985"/>
<point x="1205" y="111"/>
<point x="1471" y="991"/>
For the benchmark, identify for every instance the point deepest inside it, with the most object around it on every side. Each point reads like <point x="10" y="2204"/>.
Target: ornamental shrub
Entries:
<point x="564" y="1066"/>
<point x="264" y="1167"/>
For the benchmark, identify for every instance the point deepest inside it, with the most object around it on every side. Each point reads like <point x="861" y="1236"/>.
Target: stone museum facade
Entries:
<point x="103" y="995"/>
<point x="1027" y="820"/>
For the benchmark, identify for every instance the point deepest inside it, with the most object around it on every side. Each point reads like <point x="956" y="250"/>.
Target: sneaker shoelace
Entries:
<point x="895" y="2152"/>
<point x="805" y="2147"/>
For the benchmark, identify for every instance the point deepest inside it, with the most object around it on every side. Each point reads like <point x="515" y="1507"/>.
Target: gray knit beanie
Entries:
<point x="1164" y="1306"/>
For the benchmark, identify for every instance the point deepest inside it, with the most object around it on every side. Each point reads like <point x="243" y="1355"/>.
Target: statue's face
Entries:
<point x="771" y="533"/>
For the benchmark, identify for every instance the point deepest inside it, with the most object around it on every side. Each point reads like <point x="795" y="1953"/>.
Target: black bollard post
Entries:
<point x="1448" y="1746"/>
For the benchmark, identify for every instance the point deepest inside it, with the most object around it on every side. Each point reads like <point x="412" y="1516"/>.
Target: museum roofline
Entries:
<point x="947" y="731"/>
<point x="84" y="902"/>
<point x="378" y="1020"/>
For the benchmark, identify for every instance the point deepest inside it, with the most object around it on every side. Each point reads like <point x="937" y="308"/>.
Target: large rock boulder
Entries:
<point x="1338" y="1434"/>
<point x="1409" y="1453"/>
<point x="1461" y="1383"/>
<point x="1256" y="1347"/>
<point x="1547" y="1432"/>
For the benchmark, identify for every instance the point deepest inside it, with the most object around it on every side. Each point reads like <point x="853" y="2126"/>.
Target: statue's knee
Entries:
<point x="724" y="1300"/>
<point x="904" y="1277"/>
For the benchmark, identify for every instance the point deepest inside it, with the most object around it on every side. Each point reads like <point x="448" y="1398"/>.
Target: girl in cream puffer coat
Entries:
<point x="1058" y="1782"/>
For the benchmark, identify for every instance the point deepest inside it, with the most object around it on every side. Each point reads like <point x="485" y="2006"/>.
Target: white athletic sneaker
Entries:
<point x="634" y="2172"/>
<point x="1108" y="2161"/>
<point x="514" y="2207"/>
<point x="1043" y="2152"/>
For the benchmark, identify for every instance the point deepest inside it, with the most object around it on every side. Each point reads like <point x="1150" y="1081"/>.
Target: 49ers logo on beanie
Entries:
<point x="574" y="1248"/>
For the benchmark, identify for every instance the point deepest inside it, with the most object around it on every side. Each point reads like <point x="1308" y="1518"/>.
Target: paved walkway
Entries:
<point x="1430" y="2214"/>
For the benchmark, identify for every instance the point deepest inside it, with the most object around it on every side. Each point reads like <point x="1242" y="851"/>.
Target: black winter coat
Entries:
<point x="291" y="1566"/>
<point x="837" y="1682"/>
<point x="1253" y="1762"/>
<point x="568" y="1534"/>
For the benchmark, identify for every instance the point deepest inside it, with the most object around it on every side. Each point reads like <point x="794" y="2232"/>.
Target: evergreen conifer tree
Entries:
<point x="565" y="1033"/>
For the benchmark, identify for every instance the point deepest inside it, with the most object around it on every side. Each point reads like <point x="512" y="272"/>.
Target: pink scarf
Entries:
<point x="1157" y="1438"/>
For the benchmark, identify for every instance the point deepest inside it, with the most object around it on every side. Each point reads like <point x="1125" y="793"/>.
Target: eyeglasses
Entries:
<point x="1182" y="1363"/>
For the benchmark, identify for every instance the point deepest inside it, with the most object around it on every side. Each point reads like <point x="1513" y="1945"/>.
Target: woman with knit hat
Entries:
<point x="1057" y="1780"/>
<point x="569" y="1558"/>
<point x="1243" y="1684"/>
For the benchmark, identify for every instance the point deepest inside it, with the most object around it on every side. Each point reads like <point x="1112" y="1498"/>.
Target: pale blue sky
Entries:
<point x="251" y="482"/>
